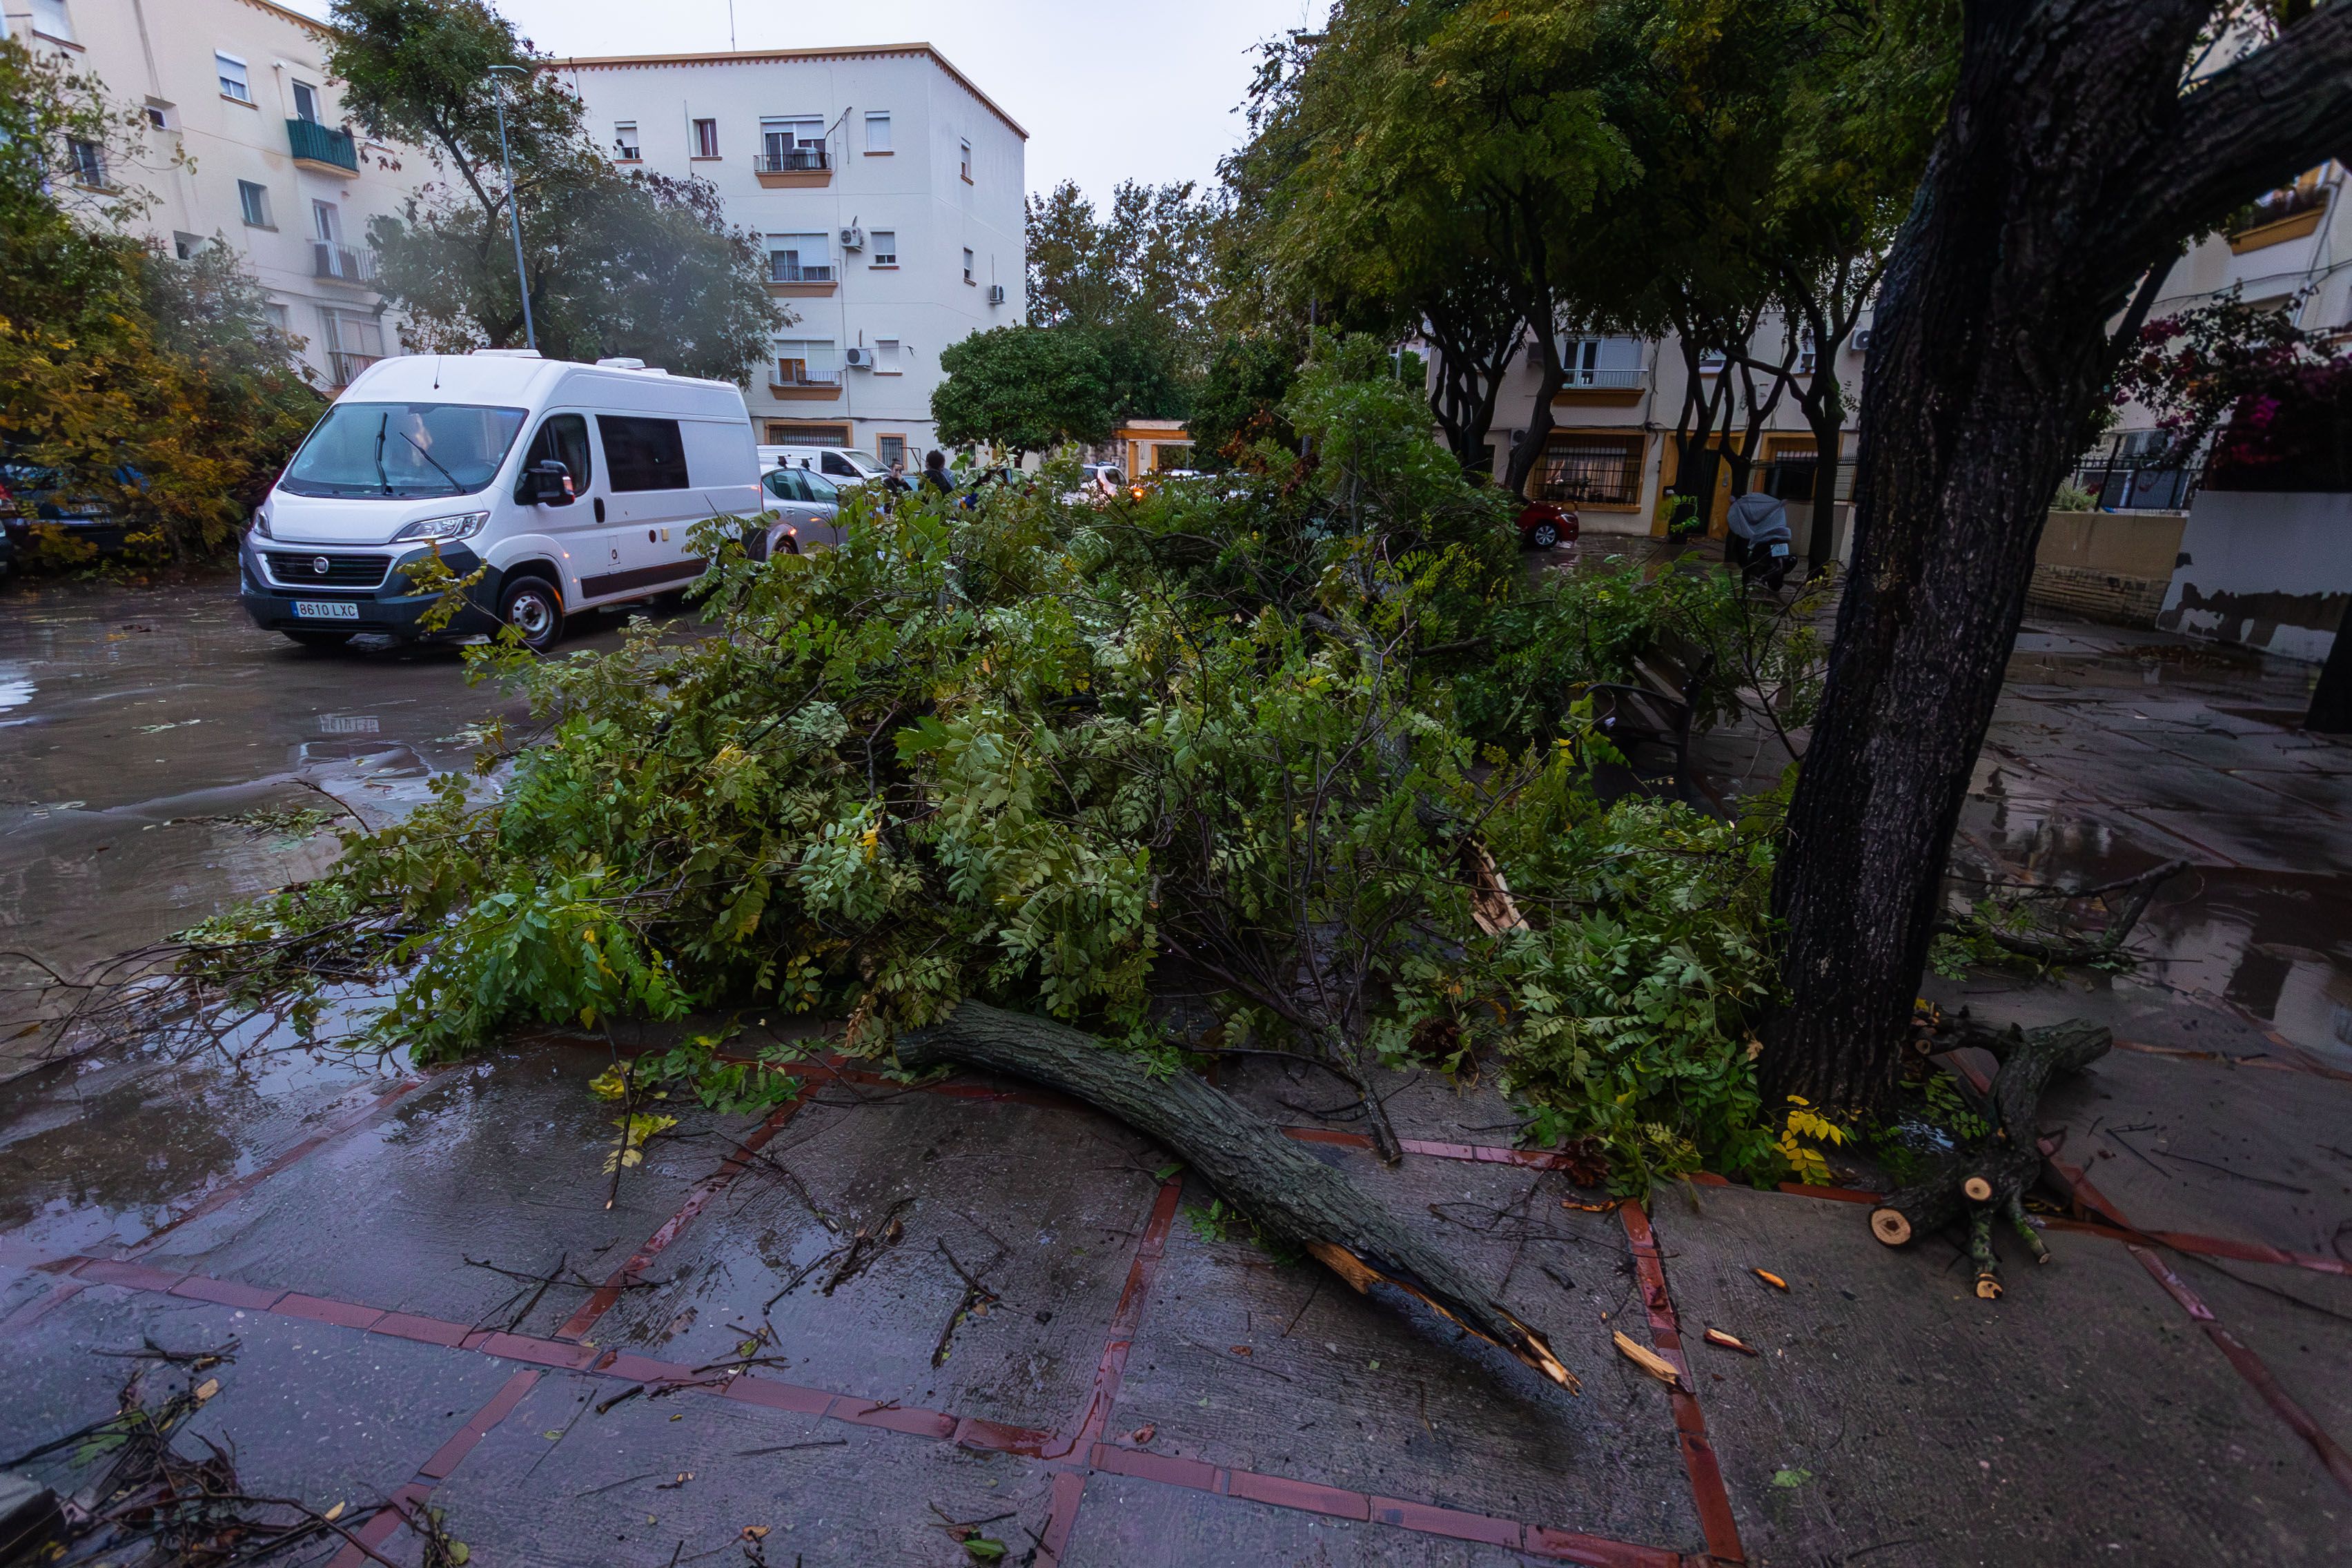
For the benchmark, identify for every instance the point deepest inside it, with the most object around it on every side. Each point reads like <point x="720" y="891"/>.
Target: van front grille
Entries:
<point x="294" y="568"/>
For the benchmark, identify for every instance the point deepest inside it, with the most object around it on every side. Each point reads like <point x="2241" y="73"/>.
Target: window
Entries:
<point x="806" y="361"/>
<point x="255" y="202"/>
<point x="800" y="258"/>
<point x="159" y="114"/>
<point x="808" y="435"/>
<point x="327" y="223"/>
<point x="838" y="466"/>
<point x="89" y="160"/>
<point x="892" y="450"/>
<point x="1603" y="470"/>
<point x="966" y="158"/>
<point x="791" y="142"/>
<point x="706" y="138"/>
<point x="624" y="142"/>
<point x="878" y="131"/>
<point x="1807" y="355"/>
<point x="643" y="454"/>
<point x="306" y="102"/>
<point x="886" y="357"/>
<point x="49" y="17"/>
<point x="185" y="246"/>
<point x="280" y="321"/>
<point x="1711" y="361"/>
<point x="353" y="340"/>
<point x="563" y="438"/>
<point x="967" y="266"/>
<point x="412" y="449"/>
<point x="231" y="71"/>
<point x="1599" y="362"/>
<point x="885" y="248"/>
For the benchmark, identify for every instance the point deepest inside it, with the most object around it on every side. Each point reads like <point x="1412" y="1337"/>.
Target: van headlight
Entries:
<point x="261" y="524"/>
<point x="441" y="530"/>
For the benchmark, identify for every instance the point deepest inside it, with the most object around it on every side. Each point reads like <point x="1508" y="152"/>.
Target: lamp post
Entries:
<point x="514" y="208"/>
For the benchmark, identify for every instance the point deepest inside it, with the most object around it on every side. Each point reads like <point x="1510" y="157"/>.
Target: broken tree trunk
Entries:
<point x="1290" y="1194"/>
<point x="1992" y="1178"/>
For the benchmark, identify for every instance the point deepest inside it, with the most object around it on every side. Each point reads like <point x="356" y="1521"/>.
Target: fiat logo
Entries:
<point x="319" y="565"/>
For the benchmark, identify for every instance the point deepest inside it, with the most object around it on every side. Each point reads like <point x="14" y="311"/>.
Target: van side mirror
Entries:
<point x="550" y="484"/>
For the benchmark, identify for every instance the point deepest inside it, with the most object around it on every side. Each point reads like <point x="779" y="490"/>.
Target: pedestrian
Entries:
<point x="1758" y="542"/>
<point x="935" y="473"/>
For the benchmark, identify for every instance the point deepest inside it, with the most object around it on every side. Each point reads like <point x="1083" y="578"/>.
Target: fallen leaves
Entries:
<point x="206" y="1389"/>
<point x="1771" y="1279"/>
<point x="1718" y="1337"/>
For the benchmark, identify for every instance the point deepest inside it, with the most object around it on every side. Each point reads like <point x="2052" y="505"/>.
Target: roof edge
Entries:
<point x="754" y="56"/>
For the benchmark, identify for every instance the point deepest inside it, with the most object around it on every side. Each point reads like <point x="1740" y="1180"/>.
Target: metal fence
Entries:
<point x="2139" y="484"/>
<point x="1608" y="473"/>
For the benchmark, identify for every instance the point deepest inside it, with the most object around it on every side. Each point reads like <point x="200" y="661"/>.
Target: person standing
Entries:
<point x="935" y="473"/>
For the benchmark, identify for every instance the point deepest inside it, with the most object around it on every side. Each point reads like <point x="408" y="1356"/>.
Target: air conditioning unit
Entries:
<point x="1861" y="341"/>
<point x="853" y="238"/>
<point x="858" y="357"/>
<point x="996" y="293"/>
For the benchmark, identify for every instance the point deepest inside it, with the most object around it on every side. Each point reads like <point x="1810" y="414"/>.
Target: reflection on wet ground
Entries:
<point x="2113" y="751"/>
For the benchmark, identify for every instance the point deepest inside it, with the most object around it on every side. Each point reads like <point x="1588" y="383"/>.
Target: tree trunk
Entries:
<point x="1288" y="1191"/>
<point x="2071" y="162"/>
<point x="1552" y="374"/>
<point x="2331" y="699"/>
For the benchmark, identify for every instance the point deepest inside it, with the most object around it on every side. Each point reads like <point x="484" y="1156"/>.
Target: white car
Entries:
<point x="571" y="486"/>
<point x="841" y="465"/>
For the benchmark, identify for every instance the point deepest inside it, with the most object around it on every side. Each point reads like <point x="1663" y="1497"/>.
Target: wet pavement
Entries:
<point x="437" y="1296"/>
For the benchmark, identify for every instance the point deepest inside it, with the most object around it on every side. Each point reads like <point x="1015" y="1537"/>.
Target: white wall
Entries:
<point x="2272" y="572"/>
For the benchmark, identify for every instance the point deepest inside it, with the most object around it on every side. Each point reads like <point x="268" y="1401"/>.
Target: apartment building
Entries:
<point x="272" y="170"/>
<point x="886" y="191"/>
<point x="1612" y="451"/>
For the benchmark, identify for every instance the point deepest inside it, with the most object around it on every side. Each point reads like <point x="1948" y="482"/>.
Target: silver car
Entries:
<point x="805" y="502"/>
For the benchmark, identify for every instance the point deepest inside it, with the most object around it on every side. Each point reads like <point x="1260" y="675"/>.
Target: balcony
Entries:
<point x="793" y="166"/>
<point x="2282" y="216"/>
<point x="786" y="280"/>
<point x="345" y="368"/>
<point x="322" y="147"/>
<point x="341" y="264"/>
<point x="1594" y="387"/>
<point x="805" y="387"/>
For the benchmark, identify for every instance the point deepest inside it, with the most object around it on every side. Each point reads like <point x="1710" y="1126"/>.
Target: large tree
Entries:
<point x="2082" y="148"/>
<point x="638" y="265"/>
<point x="1024" y="389"/>
<point x="1135" y="280"/>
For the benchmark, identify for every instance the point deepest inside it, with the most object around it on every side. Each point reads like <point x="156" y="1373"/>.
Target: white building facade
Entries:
<point x="272" y="170"/>
<point x="886" y="191"/>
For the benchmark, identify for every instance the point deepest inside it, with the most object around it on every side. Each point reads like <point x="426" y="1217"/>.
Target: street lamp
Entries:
<point x="514" y="208"/>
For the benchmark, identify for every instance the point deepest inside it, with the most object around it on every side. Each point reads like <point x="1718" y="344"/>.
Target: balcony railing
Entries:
<point x="786" y="272"/>
<point x="1623" y="378"/>
<point x="792" y="161"/>
<point x="343" y="263"/>
<point x="347" y="367"/>
<point x="322" y="144"/>
<point x="2281" y="205"/>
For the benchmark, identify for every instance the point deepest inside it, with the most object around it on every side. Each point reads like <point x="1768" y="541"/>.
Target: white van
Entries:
<point x="841" y="465"/>
<point x="575" y="484"/>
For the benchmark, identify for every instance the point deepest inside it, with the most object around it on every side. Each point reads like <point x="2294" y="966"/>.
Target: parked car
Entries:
<point x="843" y="464"/>
<point x="571" y="486"/>
<point x="1545" y="524"/>
<point x="30" y="495"/>
<point x="806" y="503"/>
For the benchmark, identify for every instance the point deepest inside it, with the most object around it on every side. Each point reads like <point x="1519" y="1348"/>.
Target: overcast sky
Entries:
<point x="1107" y="89"/>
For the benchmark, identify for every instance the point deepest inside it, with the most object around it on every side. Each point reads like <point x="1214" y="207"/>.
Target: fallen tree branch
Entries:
<point x="2107" y="945"/>
<point x="1291" y="1194"/>
<point x="1990" y="1179"/>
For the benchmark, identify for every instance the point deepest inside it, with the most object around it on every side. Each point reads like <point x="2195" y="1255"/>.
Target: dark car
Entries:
<point x="1544" y="524"/>
<point x="32" y="495"/>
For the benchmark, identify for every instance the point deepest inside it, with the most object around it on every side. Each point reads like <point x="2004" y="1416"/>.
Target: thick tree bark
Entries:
<point x="2071" y="162"/>
<point x="1286" y="1190"/>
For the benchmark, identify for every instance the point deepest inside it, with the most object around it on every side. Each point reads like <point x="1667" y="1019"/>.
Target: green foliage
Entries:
<point x="1032" y="751"/>
<point x="1024" y="389"/>
<point x="153" y="386"/>
<point x="1134" y="281"/>
<point x="1240" y="400"/>
<point x="630" y="264"/>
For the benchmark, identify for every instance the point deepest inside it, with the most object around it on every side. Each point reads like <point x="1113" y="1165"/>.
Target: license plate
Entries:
<point x="325" y="610"/>
<point x="1780" y="550"/>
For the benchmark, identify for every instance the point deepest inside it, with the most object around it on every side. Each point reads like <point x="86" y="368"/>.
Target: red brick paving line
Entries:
<point x="2251" y="1368"/>
<point x="576" y="1327"/>
<point x="1070" y="1462"/>
<point x="1708" y="1494"/>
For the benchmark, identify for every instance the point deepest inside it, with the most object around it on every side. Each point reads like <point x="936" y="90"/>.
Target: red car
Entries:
<point x="1547" y="524"/>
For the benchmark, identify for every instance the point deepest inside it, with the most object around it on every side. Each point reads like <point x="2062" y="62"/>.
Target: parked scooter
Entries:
<point x="1758" y="528"/>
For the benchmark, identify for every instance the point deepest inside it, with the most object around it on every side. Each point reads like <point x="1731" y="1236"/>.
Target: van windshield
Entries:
<point x="402" y="449"/>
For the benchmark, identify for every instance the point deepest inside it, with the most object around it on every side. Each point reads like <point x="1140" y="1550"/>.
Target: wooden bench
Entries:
<point x="1653" y="710"/>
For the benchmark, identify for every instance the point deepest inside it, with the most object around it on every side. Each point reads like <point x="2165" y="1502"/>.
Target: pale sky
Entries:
<point x="1107" y="89"/>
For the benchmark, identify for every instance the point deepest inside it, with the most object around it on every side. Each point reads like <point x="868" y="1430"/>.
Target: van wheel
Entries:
<point x="319" y="639"/>
<point x="535" y="610"/>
